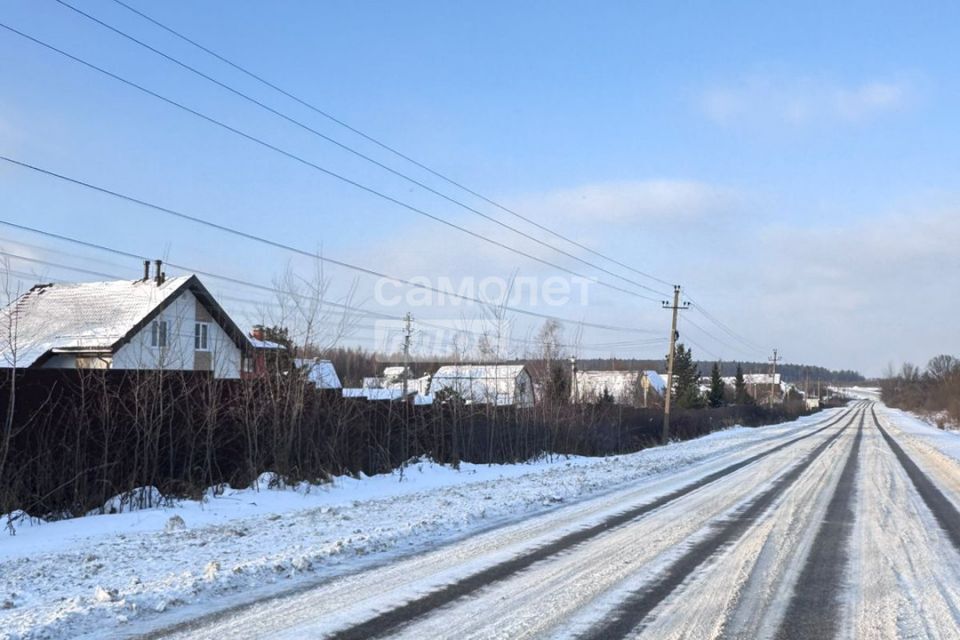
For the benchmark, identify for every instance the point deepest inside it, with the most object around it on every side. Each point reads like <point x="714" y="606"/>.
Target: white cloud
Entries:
<point x="759" y="99"/>
<point x="632" y="201"/>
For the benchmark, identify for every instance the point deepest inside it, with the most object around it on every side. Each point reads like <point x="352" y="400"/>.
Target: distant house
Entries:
<point x="494" y="384"/>
<point x="376" y="394"/>
<point x="393" y="378"/>
<point x="758" y="385"/>
<point x="155" y="323"/>
<point x="262" y="353"/>
<point x="623" y="387"/>
<point x="321" y="373"/>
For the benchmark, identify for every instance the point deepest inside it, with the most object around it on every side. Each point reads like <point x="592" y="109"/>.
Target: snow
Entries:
<point x="500" y="384"/>
<point x="141" y="568"/>
<point x="320" y="372"/>
<point x="91" y="316"/>
<point x="923" y="433"/>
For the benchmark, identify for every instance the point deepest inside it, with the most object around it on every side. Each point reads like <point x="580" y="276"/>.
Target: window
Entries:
<point x="158" y="334"/>
<point x="201" y="336"/>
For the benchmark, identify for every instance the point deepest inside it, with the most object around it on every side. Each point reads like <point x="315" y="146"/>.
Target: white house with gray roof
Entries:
<point x="155" y="323"/>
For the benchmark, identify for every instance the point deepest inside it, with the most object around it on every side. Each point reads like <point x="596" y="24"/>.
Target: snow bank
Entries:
<point x="921" y="429"/>
<point x="101" y="572"/>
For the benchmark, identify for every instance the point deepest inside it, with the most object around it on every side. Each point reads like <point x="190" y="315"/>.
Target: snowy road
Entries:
<point x="847" y="527"/>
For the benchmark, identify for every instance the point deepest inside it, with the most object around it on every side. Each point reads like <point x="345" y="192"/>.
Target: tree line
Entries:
<point x="934" y="389"/>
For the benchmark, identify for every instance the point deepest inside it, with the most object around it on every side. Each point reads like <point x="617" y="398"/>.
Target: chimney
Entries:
<point x="146" y="270"/>
<point x="158" y="278"/>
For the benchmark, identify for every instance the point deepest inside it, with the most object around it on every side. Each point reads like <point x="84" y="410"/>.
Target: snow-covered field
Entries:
<point x="105" y="574"/>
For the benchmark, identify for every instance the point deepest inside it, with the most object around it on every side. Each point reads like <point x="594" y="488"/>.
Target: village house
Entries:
<point x="320" y="372"/>
<point x="636" y="388"/>
<point x="156" y="323"/>
<point x="265" y="355"/>
<point x="494" y="384"/>
<point x="393" y="378"/>
<point x="758" y="385"/>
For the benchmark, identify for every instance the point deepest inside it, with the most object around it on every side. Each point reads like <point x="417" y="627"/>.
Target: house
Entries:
<point x="321" y="373"/>
<point x="154" y="323"/>
<point x="376" y="394"/>
<point x="496" y="384"/>
<point x="393" y="378"/>
<point x="624" y="387"/>
<point x="657" y="382"/>
<point x="264" y="354"/>
<point x="758" y="385"/>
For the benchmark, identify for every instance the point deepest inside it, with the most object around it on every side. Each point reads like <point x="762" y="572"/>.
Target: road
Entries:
<point x="841" y="529"/>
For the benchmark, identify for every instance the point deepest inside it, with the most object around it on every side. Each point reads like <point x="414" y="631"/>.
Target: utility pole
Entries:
<point x="676" y="307"/>
<point x="773" y="374"/>
<point x="407" y="333"/>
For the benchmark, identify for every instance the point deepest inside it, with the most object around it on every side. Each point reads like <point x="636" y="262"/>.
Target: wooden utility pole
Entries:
<point x="773" y="374"/>
<point x="407" y="333"/>
<point x="668" y="392"/>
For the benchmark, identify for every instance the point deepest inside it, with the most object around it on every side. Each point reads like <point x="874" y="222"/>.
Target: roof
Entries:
<point x="263" y="344"/>
<point x="480" y="383"/>
<point x="618" y="384"/>
<point x="320" y="372"/>
<point x="755" y="378"/>
<point x="374" y="394"/>
<point x="95" y="316"/>
<point x="657" y="382"/>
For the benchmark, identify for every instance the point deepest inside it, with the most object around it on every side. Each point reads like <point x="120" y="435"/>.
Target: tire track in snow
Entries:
<point x="814" y="609"/>
<point x="631" y="612"/>
<point x="942" y="508"/>
<point x="389" y="621"/>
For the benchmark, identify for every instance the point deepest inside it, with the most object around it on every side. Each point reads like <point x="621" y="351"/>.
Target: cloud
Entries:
<point x="863" y="293"/>
<point x="658" y="200"/>
<point x="803" y="101"/>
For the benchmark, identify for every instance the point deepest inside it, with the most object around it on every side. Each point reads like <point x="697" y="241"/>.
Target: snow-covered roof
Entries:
<point x="619" y="384"/>
<point x="754" y="378"/>
<point x="373" y="394"/>
<point x="82" y="316"/>
<point x="483" y="383"/>
<point x="320" y="372"/>
<point x="263" y="344"/>
<point x="657" y="382"/>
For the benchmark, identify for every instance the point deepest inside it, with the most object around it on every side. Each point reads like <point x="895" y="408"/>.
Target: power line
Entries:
<point x="317" y="167"/>
<point x="724" y="343"/>
<point x="348" y="326"/>
<point x="710" y="317"/>
<point x="383" y="145"/>
<point x="313" y="256"/>
<point x="265" y="288"/>
<point x="348" y="148"/>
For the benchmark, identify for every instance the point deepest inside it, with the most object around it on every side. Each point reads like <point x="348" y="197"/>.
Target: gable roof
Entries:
<point x="96" y="317"/>
<point x="480" y="383"/>
<point x="657" y="382"/>
<point x="320" y="372"/>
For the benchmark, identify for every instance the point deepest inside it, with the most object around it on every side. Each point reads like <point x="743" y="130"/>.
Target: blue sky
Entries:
<point x="794" y="165"/>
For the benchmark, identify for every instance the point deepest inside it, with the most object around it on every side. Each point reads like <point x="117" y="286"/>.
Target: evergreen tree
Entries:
<point x="715" y="399"/>
<point x="557" y="390"/>
<point x="740" y="388"/>
<point x="686" y="380"/>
